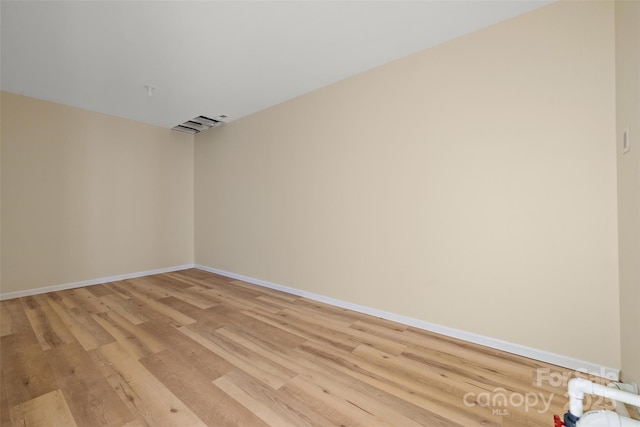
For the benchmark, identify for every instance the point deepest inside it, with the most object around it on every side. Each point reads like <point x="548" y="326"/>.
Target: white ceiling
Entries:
<point x="215" y="57"/>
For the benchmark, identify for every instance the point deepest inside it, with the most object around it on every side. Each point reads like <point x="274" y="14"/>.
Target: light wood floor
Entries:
<point x="191" y="348"/>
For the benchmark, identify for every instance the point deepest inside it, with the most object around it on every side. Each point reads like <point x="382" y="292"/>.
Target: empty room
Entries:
<point x="320" y="213"/>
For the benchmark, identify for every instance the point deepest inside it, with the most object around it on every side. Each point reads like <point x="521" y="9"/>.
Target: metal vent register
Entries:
<point x="200" y="124"/>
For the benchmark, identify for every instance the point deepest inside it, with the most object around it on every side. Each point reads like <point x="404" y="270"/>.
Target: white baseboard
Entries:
<point x="608" y="373"/>
<point x="612" y="374"/>
<point x="73" y="285"/>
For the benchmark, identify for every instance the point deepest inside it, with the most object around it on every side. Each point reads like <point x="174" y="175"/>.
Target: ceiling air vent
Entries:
<point x="200" y="124"/>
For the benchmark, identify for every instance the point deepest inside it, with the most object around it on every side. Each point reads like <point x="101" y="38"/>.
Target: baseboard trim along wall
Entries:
<point x="608" y="373"/>
<point x="612" y="374"/>
<point x="73" y="285"/>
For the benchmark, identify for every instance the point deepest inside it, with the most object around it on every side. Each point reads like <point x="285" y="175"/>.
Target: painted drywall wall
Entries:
<point x="628" y="118"/>
<point x="86" y="195"/>
<point x="472" y="185"/>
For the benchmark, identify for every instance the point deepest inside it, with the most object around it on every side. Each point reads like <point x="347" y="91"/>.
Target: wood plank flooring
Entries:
<point x="191" y="348"/>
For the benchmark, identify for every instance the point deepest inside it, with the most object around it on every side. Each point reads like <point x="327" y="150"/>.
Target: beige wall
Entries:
<point x="628" y="117"/>
<point x="471" y="185"/>
<point x="85" y="195"/>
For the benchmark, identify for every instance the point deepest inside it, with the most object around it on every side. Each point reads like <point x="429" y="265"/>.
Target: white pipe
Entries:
<point x="620" y="407"/>
<point x="579" y="386"/>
